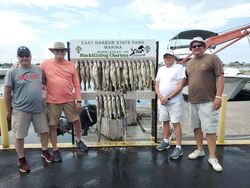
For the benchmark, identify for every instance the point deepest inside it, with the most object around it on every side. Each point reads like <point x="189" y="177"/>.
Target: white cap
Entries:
<point x="169" y="52"/>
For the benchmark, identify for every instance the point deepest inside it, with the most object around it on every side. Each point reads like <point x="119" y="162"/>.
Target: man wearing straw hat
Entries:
<point x="61" y="79"/>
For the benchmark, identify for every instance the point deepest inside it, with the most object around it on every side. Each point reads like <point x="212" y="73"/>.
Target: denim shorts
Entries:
<point x="204" y="116"/>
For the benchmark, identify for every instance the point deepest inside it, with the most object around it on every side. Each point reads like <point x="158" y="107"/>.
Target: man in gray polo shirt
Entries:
<point x="24" y="104"/>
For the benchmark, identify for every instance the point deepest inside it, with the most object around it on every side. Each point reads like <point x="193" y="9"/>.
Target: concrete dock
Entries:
<point x="130" y="167"/>
<point x="236" y="128"/>
<point x="126" y="166"/>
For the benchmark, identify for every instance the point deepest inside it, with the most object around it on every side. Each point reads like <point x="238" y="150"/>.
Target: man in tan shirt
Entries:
<point x="205" y="86"/>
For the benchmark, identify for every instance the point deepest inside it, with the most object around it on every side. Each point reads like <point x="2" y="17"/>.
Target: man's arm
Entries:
<point x="177" y="89"/>
<point x="7" y="100"/>
<point x="157" y="90"/>
<point x="185" y="82"/>
<point x="219" y="91"/>
<point x="76" y="85"/>
<point x="219" y="85"/>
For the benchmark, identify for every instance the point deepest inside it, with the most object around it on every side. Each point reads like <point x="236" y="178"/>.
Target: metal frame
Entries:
<point x="147" y="94"/>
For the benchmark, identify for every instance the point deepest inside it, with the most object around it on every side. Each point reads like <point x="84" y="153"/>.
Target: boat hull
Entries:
<point x="233" y="85"/>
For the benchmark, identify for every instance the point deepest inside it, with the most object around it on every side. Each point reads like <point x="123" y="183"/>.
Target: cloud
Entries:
<point x="64" y="20"/>
<point x="165" y="15"/>
<point x="55" y="3"/>
<point x="16" y="30"/>
<point x="16" y="27"/>
<point x="74" y="16"/>
<point x="114" y="14"/>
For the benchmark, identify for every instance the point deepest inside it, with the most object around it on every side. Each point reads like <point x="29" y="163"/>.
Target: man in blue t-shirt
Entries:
<point x="24" y="104"/>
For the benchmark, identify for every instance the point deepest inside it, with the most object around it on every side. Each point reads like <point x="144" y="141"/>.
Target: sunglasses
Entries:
<point x="197" y="46"/>
<point x="23" y="55"/>
<point x="168" y="57"/>
<point x="59" y="50"/>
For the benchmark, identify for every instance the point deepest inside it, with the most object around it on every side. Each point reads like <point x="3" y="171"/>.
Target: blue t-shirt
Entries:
<point x="26" y="85"/>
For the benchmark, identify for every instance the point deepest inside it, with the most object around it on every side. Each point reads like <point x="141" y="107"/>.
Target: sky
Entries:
<point x="38" y="24"/>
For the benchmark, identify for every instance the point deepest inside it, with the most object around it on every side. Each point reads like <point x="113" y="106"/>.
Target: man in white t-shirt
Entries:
<point x="169" y="84"/>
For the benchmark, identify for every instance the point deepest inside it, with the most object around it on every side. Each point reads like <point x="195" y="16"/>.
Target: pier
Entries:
<point x="136" y="163"/>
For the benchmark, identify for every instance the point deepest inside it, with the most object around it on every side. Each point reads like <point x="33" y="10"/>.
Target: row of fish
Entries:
<point x="114" y="75"/>
<point x="111" y="106"/>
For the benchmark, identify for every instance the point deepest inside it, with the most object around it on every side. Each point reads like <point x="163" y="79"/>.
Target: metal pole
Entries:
<point x="72" y="127"/>
<point x="68" y="46"/>
<point x="222" y="118"/>
<point x="4" y="124"/>
<point x="73" y="133"/>
<point x="154" y="101"/>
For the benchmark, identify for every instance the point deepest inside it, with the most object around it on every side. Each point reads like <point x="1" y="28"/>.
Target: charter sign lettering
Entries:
<point x="112" y="49"/>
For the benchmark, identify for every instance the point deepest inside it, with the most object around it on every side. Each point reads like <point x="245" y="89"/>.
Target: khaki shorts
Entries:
<point x="54" y="112"/>
<point x="21" y="122"/>
<point x="171" y="112"/>
<point x="204" y="116"/>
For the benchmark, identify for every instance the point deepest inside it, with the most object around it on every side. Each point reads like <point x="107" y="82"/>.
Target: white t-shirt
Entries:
<point x="168" y="78"/>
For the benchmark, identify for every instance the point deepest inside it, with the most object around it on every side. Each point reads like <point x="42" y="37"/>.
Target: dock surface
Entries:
<point x="128" y="167"/>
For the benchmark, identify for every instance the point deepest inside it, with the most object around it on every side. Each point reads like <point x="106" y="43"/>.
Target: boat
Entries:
<point x="180" y="43"/>
<point x="3" y="72"/>
<point x="234" y="80"/>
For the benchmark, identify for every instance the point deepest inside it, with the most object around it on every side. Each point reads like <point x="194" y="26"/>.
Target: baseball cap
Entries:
<point x="23" y="50"/>
<point x="169" y="52"/>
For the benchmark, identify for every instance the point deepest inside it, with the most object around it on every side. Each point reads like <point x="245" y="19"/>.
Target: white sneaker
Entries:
<point x="195" y="154"/>
<point x="215" y="164"/>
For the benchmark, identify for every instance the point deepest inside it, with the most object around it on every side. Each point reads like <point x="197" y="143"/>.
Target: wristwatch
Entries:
<point x="79" y="101"/>
<point x="169" y="98"/>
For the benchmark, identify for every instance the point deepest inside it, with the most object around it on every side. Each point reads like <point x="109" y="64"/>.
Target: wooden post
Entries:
<point x="222" y="118"/>
<point x="4" y="124"/>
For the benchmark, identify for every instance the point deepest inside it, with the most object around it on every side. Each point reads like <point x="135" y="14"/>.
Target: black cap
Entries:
<point x="23" y="50"/>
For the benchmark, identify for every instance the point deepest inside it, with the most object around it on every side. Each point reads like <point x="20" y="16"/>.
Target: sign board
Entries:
<point x="85" y="49"/>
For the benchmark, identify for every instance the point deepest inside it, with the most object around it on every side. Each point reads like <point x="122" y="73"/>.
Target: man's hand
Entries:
<point x="164" y="100"/>
<point x="8" y="114"/>
<point x="78" y="107"/>
<point x="217" y="103"/>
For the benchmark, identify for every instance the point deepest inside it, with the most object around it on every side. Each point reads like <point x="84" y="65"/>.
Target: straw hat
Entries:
<point x="58" y="46"/>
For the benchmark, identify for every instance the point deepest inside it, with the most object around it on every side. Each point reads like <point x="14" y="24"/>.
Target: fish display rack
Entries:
<point x="116" y="74"/>
<point x="112" y="82"/>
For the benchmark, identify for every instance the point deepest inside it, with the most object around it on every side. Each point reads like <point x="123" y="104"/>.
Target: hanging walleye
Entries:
<point x="113" y="77"/>
<point x="83" y="75"/>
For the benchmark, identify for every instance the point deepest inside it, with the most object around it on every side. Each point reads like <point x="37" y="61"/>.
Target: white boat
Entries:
<point x="234" y="81"/>
<point x="233" y="85"/>
<point x="3" y="72"/>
